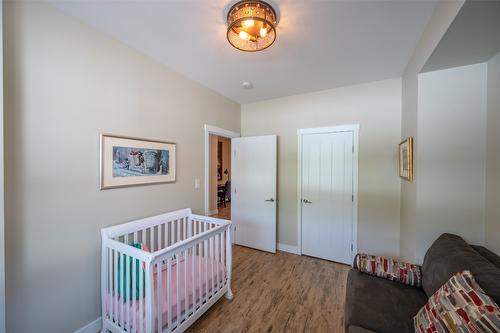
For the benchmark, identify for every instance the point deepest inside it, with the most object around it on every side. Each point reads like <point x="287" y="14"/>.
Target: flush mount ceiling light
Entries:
<point x="251" y="25"/>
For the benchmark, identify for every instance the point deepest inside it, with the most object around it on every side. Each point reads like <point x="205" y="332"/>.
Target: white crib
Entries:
<point x="186" y="271"/>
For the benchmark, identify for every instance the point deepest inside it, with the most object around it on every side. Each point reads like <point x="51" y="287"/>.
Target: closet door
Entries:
<point x="327" y="195"/>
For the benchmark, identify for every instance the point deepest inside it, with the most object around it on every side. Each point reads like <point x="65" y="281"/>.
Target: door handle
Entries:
<point x="306" y="201"/>
<point x="270" y="200"/>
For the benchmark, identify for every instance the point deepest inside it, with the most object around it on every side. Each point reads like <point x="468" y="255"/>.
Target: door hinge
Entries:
<point x="352" y="247"/>
<point x="352" y="197"/>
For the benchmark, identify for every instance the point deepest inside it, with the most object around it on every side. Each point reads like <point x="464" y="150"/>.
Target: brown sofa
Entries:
<point x="378" y="305"/>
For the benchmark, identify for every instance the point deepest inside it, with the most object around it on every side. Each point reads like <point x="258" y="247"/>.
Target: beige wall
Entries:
<point x="441" y="19"/>
<point x="65" y="84"/>
<point x="377" y="108"/>
<point x="492" y="240"/>
<point x="451" y="155"/>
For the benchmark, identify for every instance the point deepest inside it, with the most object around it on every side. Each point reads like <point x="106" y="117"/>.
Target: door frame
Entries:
<point x="354" y="128"/>
<point x="2" y="194"/>
<point x="219" y="132"/>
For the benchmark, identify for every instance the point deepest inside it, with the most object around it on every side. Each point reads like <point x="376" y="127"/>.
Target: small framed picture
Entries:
<point x="406" y="159"/>
<point x="126" y="161"/>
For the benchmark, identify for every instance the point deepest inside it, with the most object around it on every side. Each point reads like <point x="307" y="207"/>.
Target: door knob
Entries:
<point x="306" y="201"/>
<point x="270" y="200"/>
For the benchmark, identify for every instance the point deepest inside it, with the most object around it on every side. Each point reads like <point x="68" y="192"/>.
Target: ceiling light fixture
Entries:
<point x="251" y="25"/>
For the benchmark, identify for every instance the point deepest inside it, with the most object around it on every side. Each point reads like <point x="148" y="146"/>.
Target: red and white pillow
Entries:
<point x="460" y="305"/>
<point x="390" y="269"/>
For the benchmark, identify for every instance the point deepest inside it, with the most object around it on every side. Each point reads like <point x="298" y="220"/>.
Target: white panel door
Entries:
<point x="253" y="199"/>
<point x="327" y="195"/>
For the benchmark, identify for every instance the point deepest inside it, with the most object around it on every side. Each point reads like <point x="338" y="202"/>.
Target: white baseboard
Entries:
<point x="92" y="327"/>
<point x="288" y="248"/>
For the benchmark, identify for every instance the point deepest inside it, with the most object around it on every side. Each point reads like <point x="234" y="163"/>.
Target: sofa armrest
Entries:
<point x="389" y="268"/>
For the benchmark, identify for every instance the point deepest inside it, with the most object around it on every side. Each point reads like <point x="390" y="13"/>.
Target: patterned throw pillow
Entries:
<point x="389" y="268"/>
<point x="460" y="305"/>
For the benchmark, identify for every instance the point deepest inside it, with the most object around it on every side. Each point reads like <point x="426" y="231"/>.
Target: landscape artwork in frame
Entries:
<point x="406" y="159"/>
<point x="130" y="161"/>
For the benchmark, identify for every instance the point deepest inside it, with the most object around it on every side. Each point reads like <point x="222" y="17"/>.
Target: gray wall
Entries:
<point x="493" y="157"/>
<point x="376" y="107"/>
<point x="66" y="83"/>
<point x="451" y="155"/>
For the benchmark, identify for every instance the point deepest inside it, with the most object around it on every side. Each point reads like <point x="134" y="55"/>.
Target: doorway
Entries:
<point x="220" y="177"/>
<point x="328" y="192"/>
<point x="252" y="172"/>
<point x="218" y="171"/>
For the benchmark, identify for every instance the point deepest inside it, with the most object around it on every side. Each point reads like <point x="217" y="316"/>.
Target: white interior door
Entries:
<point x="327" y="195"/>
<point x="253" y="198"/>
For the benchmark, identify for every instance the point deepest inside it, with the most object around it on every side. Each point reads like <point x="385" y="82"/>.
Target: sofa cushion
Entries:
<point x="450" y="254"/>
<point x="357" y="329"/>
<point x="460" y="305"/>
<point x="381" y="305"/>
<point x="492" y="257"/>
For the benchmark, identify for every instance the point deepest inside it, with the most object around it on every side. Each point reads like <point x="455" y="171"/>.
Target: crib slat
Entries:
<point x="159" y="297"/>
<point x="200" y="286"/>
<point x="141" y="297"/>
<point x="134" y="295"/>
<point x="126" y="284"/>
<point x="186" y="286"/>
<point x="212" y="275"/>
<point x="143" y="233"/>
<point x="169" y="305"/>
<point x="122" y="286"/>
<point x="223" y="261"/>
<point x="178" y="268"/>
<point x="110" y="282"/>
<point x="205" y="254"/>
<point x="193" y="288"/>
<point x="115" y="296"/>
<point x="217" y="237"/>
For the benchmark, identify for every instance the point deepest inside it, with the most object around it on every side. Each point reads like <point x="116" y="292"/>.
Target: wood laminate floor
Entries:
<point x="279" y="292"/>
<point x="224" y="212"/>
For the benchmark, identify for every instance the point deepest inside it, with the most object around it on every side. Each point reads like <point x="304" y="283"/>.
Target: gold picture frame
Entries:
<point x="406" y="159"/>
<point x="128" y="161"/>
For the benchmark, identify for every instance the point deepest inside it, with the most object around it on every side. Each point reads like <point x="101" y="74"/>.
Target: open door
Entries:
<point x="253" y="201"/>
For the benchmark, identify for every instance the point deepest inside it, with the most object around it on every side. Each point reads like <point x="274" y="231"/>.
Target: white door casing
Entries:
<point x="253" y="197"/>
<point x="327" y="192"/>
<point x="219" y="132"/>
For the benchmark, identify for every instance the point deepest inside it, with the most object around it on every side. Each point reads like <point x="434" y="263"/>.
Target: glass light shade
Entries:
<point x="251" y="25"/>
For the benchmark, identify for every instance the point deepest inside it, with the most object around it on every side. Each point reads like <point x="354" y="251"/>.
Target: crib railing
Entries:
<point x="165" y="289"/>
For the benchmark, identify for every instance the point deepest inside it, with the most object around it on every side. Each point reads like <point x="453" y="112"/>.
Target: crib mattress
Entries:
<point x="112" y="303"/>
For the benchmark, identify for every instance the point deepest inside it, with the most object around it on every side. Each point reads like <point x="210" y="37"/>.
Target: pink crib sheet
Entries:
<point x="112" y="302"/>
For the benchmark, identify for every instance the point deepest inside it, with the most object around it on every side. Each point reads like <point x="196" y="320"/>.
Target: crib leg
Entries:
<point x="228" y="295"/>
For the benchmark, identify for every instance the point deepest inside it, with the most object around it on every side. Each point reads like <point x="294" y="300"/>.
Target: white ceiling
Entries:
<point x="320" y="44"/>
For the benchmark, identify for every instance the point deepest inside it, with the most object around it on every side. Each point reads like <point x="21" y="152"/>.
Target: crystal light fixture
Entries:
<point x="251" y="25"/>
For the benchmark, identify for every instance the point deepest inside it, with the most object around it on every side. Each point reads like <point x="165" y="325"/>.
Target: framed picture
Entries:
<point x="406" y="159"/>
<point x="126" y="161"/>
